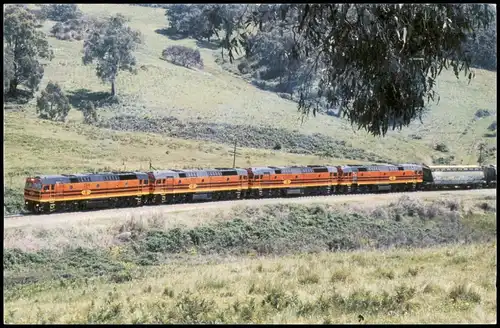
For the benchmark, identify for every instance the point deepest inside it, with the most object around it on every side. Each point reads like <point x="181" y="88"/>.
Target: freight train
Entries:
<point x="77" y="192"/>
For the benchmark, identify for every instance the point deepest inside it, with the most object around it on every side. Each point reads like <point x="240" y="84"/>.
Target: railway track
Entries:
<point x="270" y="200"/>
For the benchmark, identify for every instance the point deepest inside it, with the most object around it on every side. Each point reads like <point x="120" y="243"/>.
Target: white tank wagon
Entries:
<point x="453" y="177"/>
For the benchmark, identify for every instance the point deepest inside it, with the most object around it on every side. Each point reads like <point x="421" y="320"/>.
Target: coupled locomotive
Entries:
<point x="55" y="193"/>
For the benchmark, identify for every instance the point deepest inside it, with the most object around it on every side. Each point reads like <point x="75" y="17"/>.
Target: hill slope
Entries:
<point x="171" y="101"/>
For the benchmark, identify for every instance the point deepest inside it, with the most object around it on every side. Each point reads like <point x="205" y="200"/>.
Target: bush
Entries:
<point x="73" y="29"/>
<point x="183" y="56"/>
<point x="441" y="147"/>
<point x="482" y="113"/>
<point x="464" y="293"/>
<point x="53" y="103"/>
<point x="493" y="126"/>
<point x="13" y="201"/>
<point x="89" y="112"/>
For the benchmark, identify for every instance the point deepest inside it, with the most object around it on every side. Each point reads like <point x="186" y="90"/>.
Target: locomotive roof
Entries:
<point x="197" y="173"/>
<point x="292" y="169"/>
<point x="52" y="179"/>
<point x="91" y="177"/>
<point x="369" y="167"/>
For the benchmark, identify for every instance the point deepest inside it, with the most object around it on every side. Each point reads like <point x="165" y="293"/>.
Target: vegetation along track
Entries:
<point x="112" y="214"/>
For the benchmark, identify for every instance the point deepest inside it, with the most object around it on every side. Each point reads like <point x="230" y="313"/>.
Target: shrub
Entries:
<point x="492" y="126"/>
<point x="183" y="56"/>
<point x="482" y="113"/>
<point x="464" y="293"/>
<point x="243" y="67"/>
<point x="339" y="275"/>
<point x="120" y="277"/>
<point x="53" y="103"/>
<point x="89" y="112"/>
<point x="441" y="147"/>
<point x="73" y="29"/>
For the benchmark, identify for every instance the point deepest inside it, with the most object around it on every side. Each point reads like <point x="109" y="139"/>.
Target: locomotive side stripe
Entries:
<point x="197" y="190"/>
<point x="283" y="186"/>
<point x="65" y="199"/>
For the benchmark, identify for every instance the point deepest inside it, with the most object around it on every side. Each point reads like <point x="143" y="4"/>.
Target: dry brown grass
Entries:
<point x="454" y="284"/>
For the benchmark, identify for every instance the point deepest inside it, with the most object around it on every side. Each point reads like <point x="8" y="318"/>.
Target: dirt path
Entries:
<point x="105" y="216"/>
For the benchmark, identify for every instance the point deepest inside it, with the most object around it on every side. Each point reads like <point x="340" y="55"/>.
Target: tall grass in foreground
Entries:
<point x="227" y="267"/>
<point x="453" y="284"/>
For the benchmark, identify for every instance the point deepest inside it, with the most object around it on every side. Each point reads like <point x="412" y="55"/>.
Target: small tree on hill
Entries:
<point x="89" y="112"/>
<point x="53" y="103"/>
<point x="25" y="46"/>
<point x="111" y="44"/>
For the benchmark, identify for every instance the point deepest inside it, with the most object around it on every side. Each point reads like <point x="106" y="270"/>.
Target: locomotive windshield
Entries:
<point x="33" y="184"/>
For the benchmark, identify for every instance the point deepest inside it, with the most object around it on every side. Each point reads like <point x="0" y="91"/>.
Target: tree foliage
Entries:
<point x="24" y="46"/>
<point x="89" y="112"/>
<point x="189" y="21"/>
<point x="183" y="56"/>
<point x="61" y="12"/>
<point x="111" y="44"/>
<point x="8" y="67"/>
<point x="53" y="103"/>
<point x="483" y="47"/>
<point x="270" y="60"/>
<point x="202" y="21"/>
<point x="377" y="63"/>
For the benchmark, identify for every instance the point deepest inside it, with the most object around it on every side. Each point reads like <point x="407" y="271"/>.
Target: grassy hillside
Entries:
<point x="225" y="268"/>
<point x="165" y="103"/>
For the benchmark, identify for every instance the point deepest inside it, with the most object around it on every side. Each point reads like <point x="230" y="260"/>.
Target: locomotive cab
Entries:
<point x="32" y="193"/>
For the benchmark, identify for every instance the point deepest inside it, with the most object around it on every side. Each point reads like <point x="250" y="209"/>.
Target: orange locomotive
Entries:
<point x="49" y="193"/>
<point x="374" y="178"/>
<point x="177" y="186"/>
<point x="295" y="180"/>
<point x="119" y="189"/>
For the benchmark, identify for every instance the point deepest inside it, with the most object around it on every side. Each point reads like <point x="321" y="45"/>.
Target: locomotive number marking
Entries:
<point x="287" y="182"/>
<point x="192" y="186"/>
<point x="86" y="192"/>
<point x="392" y="178"/>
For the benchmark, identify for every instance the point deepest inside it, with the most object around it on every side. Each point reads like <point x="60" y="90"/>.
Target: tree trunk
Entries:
<point x="13" y="87"/>
<point x="113" y="90"/>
